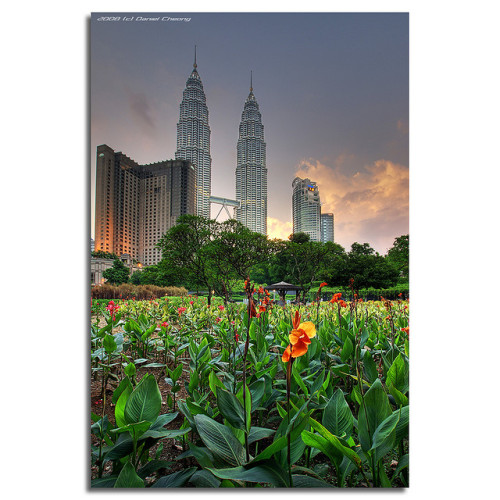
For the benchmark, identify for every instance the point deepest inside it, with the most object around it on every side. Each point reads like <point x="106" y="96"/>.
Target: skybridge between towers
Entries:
<point x="224" y="203"/>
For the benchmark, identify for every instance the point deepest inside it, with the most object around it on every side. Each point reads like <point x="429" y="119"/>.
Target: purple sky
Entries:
<point x="332" y="90"/>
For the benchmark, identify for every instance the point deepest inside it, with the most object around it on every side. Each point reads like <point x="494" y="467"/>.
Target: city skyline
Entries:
<point x="333" y="89"/>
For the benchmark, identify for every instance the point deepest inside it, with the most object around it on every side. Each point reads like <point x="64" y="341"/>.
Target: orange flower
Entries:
<point x="262" y="309"/>
<point x="336" y="297"/>
<point x="300" y="338"/>
<point x="323" y="284"/>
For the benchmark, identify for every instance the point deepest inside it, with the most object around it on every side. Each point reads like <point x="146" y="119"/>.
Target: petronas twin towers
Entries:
<point x="193" y="144"/>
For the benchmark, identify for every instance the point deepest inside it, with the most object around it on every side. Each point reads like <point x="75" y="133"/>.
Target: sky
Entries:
<point x="333" y="91"/>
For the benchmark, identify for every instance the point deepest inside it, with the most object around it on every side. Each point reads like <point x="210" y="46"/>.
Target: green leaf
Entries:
<point x="399" y="397"/>
<point x="385" y="429"/>
<point x="337" y="416"/>
<point x="264" y="472"/>
<point x="214" y="382"/>
<point x="398" y="374"/>
<point x="128" y="478"/>
<point x="175" y="480"/>
<point x="176" y="373"/>
<point x="145" y="401"/>
<point x="271" y="450"/>
<point x="404" y="462"/>
<point x="103" y="482"/>
<point x="153" y="466"/>
<point x="257" y="390"/>
<point x="257" y="433"/>
<point x="322" y="444"/>
<point x="121" y="403"/>
<point x="374" y="409"/>
<point x="130" y="370"/>
<point x="300" y="382"/>
<point x="220" y="440"/>
<point x="302" y="481"/>
<point x="335" y="442"/>
<point x="204" y="479"/>
<point x="369" y="368"/>
<point x="231" y="408"/>
<point x="347" y="349"/>
<point x="109" y="344"/>
<point x="121" y="387"/>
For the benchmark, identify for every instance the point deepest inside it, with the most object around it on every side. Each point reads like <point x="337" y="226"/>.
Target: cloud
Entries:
<point x="371" y="205"/>
<point x="278" y="229"/>
<point x="141" y="110"/>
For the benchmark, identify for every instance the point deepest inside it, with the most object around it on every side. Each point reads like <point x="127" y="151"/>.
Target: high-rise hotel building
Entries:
<point x="326" y="227"/>
<point x="251" y="171"/>
<point x="306" y="208"/>
<point x="193" y="138"/>
<point x="136" y="204"/>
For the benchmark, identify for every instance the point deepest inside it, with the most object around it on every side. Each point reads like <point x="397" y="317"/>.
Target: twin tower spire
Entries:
<point x="193" y="144"/>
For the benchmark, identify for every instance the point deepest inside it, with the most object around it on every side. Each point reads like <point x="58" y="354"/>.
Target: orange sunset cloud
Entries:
<point x="370" y="206"/>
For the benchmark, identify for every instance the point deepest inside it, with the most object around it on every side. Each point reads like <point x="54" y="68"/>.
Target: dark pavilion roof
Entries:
<point x="282" y="286"/>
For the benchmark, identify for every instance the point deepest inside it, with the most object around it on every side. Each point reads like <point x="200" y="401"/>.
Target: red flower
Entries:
<point x="336" y="297"/>
<point x="191" y="302"/>
<point x="323" y="284"/>
<point x="221" y="308"/>
<point x="218" y="320"/>
<point x="236" y="337"/>
<point x="164" y="324"/>
<point x="180" y="310"/>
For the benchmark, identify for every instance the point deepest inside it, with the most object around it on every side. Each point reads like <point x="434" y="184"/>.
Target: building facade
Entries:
<point x="327" y="227"/>
<point x="306" y="208"/>
<point x="193" y="138"/>
<point x="251" y="171"/>
<point x="98" y="265"/>
<point x="137" y="204"/>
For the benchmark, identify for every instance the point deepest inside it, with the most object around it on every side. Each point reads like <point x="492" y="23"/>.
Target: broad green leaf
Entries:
<point x="121" y="387"/>
<point x="257" y="390"/>
<point x="175" y="480"/>
<point x="322" y="444"/>
<point x="385" y="429"/>
<point x="347" y="349"/>
<point x="153" y="466"/>
<point x="204" y="479"/>
<point x="257" y="433"/>
<point x="335" y="442"/>
<point x="337" y="416"/>
<point x="109" y="344"/>
<point x="220" y="440"/>
<point x="103" y="482"/>
<point x="128" y="478"/>
<point x="121" y="403"/>
<point x="402" y="464"/>
<point x="231" y="408"/>
<point x="145" y="401"/>
<point x="214" y="382"/>
<point x="369" y="367"/>
<point x="271" y="450"/>
<point x="399" y="397"/>
<point x="374" y="409"/>
<point x="402" y="426"/>
<point x="398" y="374"/>
<point x="302" y="481"/>
<point x="264" y="472"/>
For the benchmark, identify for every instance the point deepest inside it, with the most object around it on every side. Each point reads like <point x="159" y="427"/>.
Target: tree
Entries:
<point x="186" y="247"/>
<point x="117" y="274"/>
<point x="369" y="269"/>
<point x="399" y="256"/>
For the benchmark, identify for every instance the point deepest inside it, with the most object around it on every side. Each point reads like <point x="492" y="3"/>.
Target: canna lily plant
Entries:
<point x="300" y="339"/>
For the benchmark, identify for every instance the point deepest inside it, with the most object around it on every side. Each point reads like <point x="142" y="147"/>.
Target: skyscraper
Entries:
<point x="306" y="208"/>
<point x="326" y="228"/>
<point x="193" y="138"/>
<point x="251" y="171"/>
<point x="137" y="204"/>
